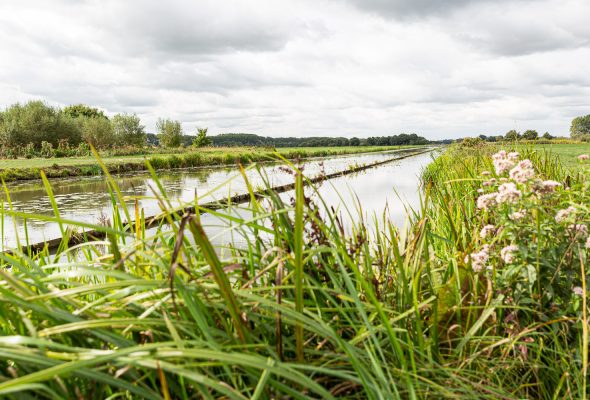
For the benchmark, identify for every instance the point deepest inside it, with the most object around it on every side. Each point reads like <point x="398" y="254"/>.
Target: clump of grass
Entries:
<point x="295" y="306"/>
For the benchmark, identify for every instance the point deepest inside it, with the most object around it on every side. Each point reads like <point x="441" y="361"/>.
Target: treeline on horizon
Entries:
<point x="250" y="139"/>
<point x="36" y="129"/>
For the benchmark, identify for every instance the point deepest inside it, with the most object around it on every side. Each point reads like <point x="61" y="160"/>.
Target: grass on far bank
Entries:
<point x="567" y="153"/>
<point x="23" y="169"/>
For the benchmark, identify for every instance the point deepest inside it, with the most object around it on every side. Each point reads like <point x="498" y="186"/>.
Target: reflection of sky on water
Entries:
<point x="86" y="199"/>
<point x="391" y="189"/>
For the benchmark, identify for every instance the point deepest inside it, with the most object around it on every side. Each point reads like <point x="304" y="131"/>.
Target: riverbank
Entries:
<point x="27" y="169"/>
<point x="485" y="297"/>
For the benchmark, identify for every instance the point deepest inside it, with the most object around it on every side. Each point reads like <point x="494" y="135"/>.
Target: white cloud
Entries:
<point x="306" y="67"/>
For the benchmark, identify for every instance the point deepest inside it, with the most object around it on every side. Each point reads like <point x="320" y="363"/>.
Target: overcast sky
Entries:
<point x="439" y="68"/>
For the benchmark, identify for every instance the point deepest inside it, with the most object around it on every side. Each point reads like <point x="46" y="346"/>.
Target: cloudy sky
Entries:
<point x="442" y="69"/>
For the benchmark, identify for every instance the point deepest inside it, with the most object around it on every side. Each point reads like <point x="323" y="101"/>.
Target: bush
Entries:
<point x="47" y="150"/>
<point x="36" y="122"/>
<point x="169" y="132"/>
<point x="128" y="130"/>
<point x="97" y="131"/>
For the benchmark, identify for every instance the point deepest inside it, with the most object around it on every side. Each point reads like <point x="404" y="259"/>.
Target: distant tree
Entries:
<point x="547" y="135"/>
<point x="128" y="130"/>
<point x="82" y="110"/>
<point x="580" y="126"/>
<point x="169" y="132"/>
<point x="354" y="141"/>
<point x="202" y="140"/>
<point x="530" y="134"/>
<point x="512" y="135"/>
<point x="152" y="139"/>
<point x="36" y="122"/>
<point x="97" y="131"/>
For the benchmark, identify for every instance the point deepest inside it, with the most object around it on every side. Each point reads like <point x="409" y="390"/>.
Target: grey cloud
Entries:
<point x="183" y="28"/>
<point x="416" y="8"/>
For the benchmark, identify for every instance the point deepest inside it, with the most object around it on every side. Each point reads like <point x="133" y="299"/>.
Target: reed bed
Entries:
<point x="298" y="306"/>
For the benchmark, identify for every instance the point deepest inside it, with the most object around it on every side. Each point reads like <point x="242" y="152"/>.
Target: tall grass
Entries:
<point x="298" y="307"/>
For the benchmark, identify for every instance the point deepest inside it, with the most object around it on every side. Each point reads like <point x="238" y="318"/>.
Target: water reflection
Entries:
<point x="88" y="199"/>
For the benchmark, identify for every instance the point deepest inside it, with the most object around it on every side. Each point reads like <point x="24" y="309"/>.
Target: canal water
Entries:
<point x="389" y="188"/>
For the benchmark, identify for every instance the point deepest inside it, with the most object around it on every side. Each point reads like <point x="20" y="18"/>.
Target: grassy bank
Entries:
<point x="567" y="153"/>
<point x="23" y="169"/>
<point x="303" y="308"/>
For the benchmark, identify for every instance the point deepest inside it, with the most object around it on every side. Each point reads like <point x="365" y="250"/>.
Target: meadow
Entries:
<point x="484" y="297"/>
<point x="566" y="153"/>
<point x="25" y="169"/>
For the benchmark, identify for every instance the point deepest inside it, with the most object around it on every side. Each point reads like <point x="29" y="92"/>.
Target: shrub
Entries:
<point x="128" y="130"/>
<point x="36" y="122"/>
<point x="169" y="132"/>
<point x="47" y="150"/>
<point x="201" y="140"/>
<point x="97" y="131"/>
<point x="533" y="239"/>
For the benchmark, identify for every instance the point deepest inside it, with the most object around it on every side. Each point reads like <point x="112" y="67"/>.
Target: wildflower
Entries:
<point x="502" y="166"/>
<point x="523" y="172"/>
<point x="480" y="191"/>
<point x="513" y="156"/>
<point x="508" y="193"/>
<point x="501" y="162"/>
<point x="490" y="182"/>
<point x="479" y="259"/>
<point x="507" y="253"/>
<point x="583" y="157"/>
<point x="562" y="215"/>
<point x="517" y="215"/>
<point x="578" y="291"/>
<point x="487" y="230"/>
<point x="578" y="230"/>
<point x="544" y="187"/>
<point x="485" y="201"/>
<point x="588" y="243"/>
<point x="486" y="173"/>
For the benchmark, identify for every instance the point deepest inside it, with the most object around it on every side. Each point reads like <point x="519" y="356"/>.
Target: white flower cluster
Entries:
<point x="508" y="253"/>
<point x="544" y="187"/>
<point x="523" y="172"/>
<point x="517" y="215"/>
<point x="502" y="163"/>
<point x="479" y="259"/>
<point x="562" y="215"/>
<point x="508" y="193"/>
<point x="487" y="231"/>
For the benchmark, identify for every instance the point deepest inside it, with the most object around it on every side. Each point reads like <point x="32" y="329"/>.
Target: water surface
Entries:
<point x="394" y="185"/>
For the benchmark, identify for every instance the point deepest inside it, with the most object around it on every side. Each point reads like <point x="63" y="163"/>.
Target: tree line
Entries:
<point x="249" y="139"/>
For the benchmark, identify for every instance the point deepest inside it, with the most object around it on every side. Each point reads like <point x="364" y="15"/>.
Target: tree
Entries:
<point x="354" y="141"/>
<point x="201" y="140"/>
<point x="82" y="110"/>
<point x="169" y="132"/>
<point x="128" y="130"/>
<point x="36" y="122"/>
<point x="512" y="135"/>
<point x="97" y="131"/>
<point x="580" y="127"/>
<point x="530" y="134"/>
<point x="547" y="136"/>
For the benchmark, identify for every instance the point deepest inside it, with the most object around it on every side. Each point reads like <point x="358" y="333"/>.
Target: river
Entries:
<point x="388" y="188"/>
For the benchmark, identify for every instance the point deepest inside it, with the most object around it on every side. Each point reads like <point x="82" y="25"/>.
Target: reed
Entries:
<point x="296" y="305"/>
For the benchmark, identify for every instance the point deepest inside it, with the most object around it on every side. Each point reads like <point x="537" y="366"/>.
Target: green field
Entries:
<point x="567" y="153"/>
<point x="209" y="152"/>
<point x="24" y="169"/>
